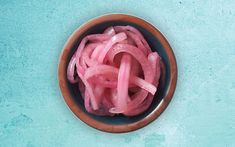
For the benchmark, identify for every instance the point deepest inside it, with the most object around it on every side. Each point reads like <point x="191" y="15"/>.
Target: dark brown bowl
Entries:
<point x="166" y="88"/>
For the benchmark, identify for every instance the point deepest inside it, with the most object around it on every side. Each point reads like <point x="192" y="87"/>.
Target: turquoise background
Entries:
<point x="33" y="112"/>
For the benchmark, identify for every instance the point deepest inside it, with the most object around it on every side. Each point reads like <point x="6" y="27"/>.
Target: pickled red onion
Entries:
<point x="109" y="68"/>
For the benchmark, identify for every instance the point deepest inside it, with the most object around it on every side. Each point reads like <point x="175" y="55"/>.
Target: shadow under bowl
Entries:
<point x="166" y="88"/>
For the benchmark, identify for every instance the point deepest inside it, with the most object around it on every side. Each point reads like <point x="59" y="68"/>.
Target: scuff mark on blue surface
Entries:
<point x="21" y="120"/>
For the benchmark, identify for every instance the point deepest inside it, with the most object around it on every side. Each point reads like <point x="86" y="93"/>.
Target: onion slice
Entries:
<point x="116" y="72"/>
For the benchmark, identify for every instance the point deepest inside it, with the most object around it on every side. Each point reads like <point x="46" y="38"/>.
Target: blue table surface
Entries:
<point x="33" y="112"/>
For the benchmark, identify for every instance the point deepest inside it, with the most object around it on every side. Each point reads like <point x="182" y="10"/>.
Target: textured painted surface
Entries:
<point x="33" y="113"/>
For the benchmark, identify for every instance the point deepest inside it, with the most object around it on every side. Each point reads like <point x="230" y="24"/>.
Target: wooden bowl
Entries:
<point x="166" y="88"/>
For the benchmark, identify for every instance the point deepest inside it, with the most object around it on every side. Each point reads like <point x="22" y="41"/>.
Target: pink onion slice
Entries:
<point x="89" y="88"/>
<point x="103" y="82"/>
<point x="138" y="55"/>
<point x="78" y="53"/>
<point x="134" y="30"/>
<point x="96" y="52"/>
<point x="144" y="85"/>
<point x="147" y="69"/>
<point x="138" y="42"/>
<point x="116" y="38"/>
<point x="85" y="60"/>
<point x="116" y="71"/>
<point x="110" y="31"/>
<point x="88" y="53"/>
<point x="71" y="70"/>
<point x="123" y="82"/>
<point x="154" y="59"/>
<point x="112" y="73"/>
<point x="90" y="110"/>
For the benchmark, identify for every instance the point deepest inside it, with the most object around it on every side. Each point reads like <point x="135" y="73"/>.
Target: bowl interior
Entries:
<point x="164" y="80"/>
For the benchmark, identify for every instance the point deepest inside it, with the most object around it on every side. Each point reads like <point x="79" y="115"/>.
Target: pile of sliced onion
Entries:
<point x="116" y="72"/>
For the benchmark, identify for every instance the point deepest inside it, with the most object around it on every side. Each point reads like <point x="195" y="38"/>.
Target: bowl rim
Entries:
<point x="69" y="98"/>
